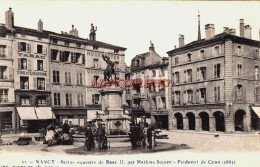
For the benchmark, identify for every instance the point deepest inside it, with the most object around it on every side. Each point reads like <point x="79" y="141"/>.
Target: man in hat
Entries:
<point x="89" y="137"/>
<point x="100" y="135"/>
<point x="149" y="136"/>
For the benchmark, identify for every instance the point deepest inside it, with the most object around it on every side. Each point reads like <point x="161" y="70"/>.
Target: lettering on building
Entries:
<point x="99" y="54"/>
<point x="32" y="73"/>
<point x="31" y="56"/>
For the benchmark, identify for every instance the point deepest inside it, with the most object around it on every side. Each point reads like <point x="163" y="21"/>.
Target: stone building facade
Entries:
<point x="215" y="82"/>
<point x="149" y="71"/>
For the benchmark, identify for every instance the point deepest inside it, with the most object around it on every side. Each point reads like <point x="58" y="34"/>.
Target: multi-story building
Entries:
<point x="94" y="70"/>
<point x="149" y="71"/>
<point x="29" y="75"/>
<point x="215" y="82"/>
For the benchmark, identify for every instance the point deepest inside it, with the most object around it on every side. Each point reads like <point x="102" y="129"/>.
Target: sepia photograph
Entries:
<point x="129" y="83"/>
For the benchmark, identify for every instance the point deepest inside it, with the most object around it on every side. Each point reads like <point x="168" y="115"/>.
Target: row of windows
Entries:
<point x="26" y="47"/>
<point x="39" y="83"/>
<point x="27" y="100"/>
<point x="24" y="64"/>
<point x="187" y="96"/>
<point x="68" y="57"/>
<point x="68" y="80"/>
<point x="201" y="74"/>
<point x="68" y="99"/>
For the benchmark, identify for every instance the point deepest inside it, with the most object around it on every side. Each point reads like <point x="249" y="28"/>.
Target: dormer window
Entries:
<point x="116" y="51"/>
<point x="66" y="43"/>
<point x="176" y="60"/>
<point x="95" y="47"/>
<point x="202" y="54"/>
<point x="55" y="41"/>
<point x="189" y="57"/>
<point x="78" y="45"/>
<point x="137" y="63"/>
<point x="216" y="51"/>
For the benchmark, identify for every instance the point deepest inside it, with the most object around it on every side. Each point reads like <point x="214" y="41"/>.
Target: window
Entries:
<point x="240" y="93"/>
<point x="239" y="70"/>
<point x="67" y="77"/>
<point x="203" y="95"/>
<point x="57" y="99"/>
<point x="257" y="94"/>
<point x="3" y="70"/>
<point x="173" y="78"/>
<point x="189" y="73"/>
<point x="217" y="93"/>
<point x="256" y="54"/>
<point x="216" y="51"/>
<point x="163" y="102"/>
<point x="116" y="65"/>
<point x="55" y="41"/>
<point x="78" y="58"/>
<point x="189" y="57"/>
<point x="80" y="99"/>
<point x="173" y="98"/>
<point x="40" y="84"/>
<point x="25" y="100"/>
<point x="176" y="60"/>
<point x="256" y="72"/>
<point x="239" y="51"/>
<point x="22" y="46"/>
<point x="154" y="73"/>
<point x="177" y="78"/>
<point x="163" y="71"/>
<point x="24" y="82"/>
<point x="68" y="99"/>
<point x="2" y="51"/>
<point x="54" y="54"/>
<point x="177" y="97"/>
<point x="56" y="76"/>
<point x="78" y="45"/>
<point x="190" y="96"/>
<point x="41" y="100"/>
<point x="95" y="99"/>
<point x="127" y="91"/>
<point x="40" y="65"/>
<point x="3" y="95"/>
<point x="217" y="70"/>
<point x="39" y="49"/>
<point x="95" y="62"/>
<point x="95" y="47"/>
<point x="116" y="51"/>
<point x="201" y="73"/>
<point x="22" y="63"/>
<point x="202" y="54"/>
<point x="137" y="63"/>
<point x="79" y="79"/>
<point x="66" y="43"/>
<point x="66" y="56"/>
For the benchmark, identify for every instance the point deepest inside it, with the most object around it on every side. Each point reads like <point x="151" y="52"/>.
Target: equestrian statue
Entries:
<point x="110" y="70"/>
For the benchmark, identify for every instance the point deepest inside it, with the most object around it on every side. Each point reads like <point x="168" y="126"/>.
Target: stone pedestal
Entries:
<point x="117" y="122"/>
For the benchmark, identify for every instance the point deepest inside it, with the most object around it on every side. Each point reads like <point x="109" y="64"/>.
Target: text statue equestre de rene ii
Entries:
<point x="110" y="70"/>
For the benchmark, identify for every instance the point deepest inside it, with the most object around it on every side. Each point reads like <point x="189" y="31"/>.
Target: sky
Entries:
<point x="133" y="24"/>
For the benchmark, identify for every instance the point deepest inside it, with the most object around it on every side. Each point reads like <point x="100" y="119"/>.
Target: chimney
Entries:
<point x="226" y="29"/>
<point x="247" y="31"/>
<point x="9" y="19"/>
<point x="210" y="31"/>
<point x="151" y="48"/>
<point x="181" y="40"/>
<point x="40" y="25"/>
<point x="92" y="35"/>
<point x="175" y="46"/>
<point x="74" y="32"/>
<point x="232" y="31"/>
<point x="242" y="27"/>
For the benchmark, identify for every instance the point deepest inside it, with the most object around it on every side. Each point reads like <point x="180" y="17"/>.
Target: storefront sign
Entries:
<point x="95" y="71"/>
<point x="32" y="73"/>
<point x="202" y="107"/>
<point x="99" y="54"/>
<point x="31" y="56"/>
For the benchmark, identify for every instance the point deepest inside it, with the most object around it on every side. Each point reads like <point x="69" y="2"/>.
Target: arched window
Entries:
<point x="189" y="57"/>
<point x="202" y="54"/>
<point x="239" y="50"/>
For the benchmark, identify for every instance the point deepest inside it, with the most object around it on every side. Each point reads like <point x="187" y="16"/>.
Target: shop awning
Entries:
<point x="257" y="111"/>
<point x="44" y="113"/>
<point x="27" y="113"/>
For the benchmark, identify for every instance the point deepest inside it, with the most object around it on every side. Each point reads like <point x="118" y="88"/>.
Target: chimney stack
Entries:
<point x="242" y="27"/>
<point x="40" y="25"/>
<point x="181" y="40"/>
<point x="232" y="31"/>
<point x="9" y="19"/>
<point x="210" y="31"/>
<point x="226" y="29"/>
<point x="74" y="32"/>
<point x="92" y="35"/>
<point x="247" y="31"/>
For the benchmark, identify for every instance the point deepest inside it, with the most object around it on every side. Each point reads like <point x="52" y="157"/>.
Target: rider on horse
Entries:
<point x="110" y="68"/>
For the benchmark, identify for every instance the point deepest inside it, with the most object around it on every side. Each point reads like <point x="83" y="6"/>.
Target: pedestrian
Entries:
<point x="100" y="136"/>
<point x="89" y="137"/>
<point x="149" y="136"/>
<point x="66" y="128"/>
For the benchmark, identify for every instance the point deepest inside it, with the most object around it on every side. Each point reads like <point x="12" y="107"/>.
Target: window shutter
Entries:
<point x="218" y="93"/>
<point x="93" y="99"/>
<point x="28" y="47"/>
<point x="11" y="70"/>
<point x="29" y="64"/>
<point x="61" y="55"/>
<point x="19" y="46"/>
<point x="44" y="66"/>
<point x="44" y="50"/>
<point x="197" y="96"/>
<point x="77" y="78"/>
<point x="83" y="58"/>
<point x="35" y="83"/>
<point x="215" y="94"/>
<point x="66" y="77"/>
<point x="70" y="99"/>
<point x="9" y="52"/>
<point x="213" y="51"/>
<point x="19" y="63"/>
<point x="191" y="97"/>
<point x="78" y="99"/>
<point x="35" y="48"/>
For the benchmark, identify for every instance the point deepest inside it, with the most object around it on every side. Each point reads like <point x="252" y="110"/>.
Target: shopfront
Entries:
<point x="7" y="120"/>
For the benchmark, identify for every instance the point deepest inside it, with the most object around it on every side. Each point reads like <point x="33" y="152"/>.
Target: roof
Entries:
<point x="46" y="34"/>
<point x="218" y="37"/>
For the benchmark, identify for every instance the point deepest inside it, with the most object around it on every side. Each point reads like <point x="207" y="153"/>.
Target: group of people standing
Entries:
<point x="138" y="135"/>
<point x="99" y="134"/>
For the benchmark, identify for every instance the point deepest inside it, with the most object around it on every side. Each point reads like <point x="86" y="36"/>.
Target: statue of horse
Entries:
<point x="110" y="70"/>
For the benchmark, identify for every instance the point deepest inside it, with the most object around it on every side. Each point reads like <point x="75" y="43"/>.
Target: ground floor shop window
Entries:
<point x="6" y="120"/>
